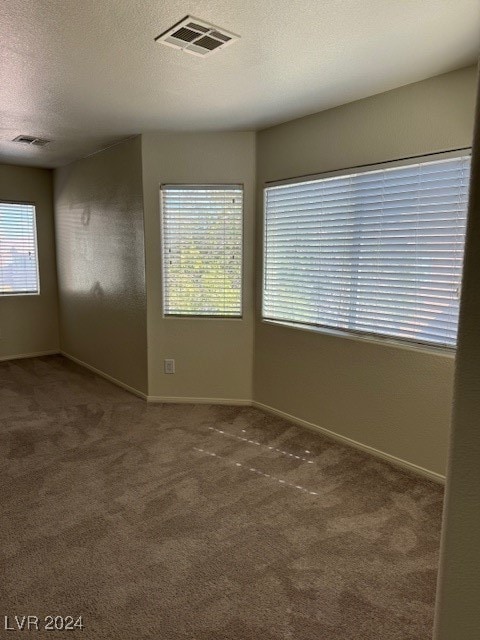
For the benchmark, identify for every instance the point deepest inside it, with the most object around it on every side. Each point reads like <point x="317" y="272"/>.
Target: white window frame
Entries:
<point x="193" y="186"/>
<point x="17" y="294"/>
<point x="402" y="343"/>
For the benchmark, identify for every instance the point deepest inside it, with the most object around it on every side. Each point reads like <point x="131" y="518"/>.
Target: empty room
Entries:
<point x="240" y="320"/>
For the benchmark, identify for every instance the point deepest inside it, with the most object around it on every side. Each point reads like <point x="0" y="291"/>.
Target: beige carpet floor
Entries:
<point x="199" y="522"/>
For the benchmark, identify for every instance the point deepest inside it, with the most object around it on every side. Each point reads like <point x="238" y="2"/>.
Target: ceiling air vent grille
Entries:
<point x="31" y="140"/>
<point x="196" y="37"/>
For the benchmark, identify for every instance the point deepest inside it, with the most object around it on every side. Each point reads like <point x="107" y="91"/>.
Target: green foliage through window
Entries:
<point x="202" y="250"/>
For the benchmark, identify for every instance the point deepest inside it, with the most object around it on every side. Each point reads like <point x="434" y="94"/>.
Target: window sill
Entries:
<point x="385" y="342"/>
<point x="19" y="295"/>
<point x="193" y="317"/>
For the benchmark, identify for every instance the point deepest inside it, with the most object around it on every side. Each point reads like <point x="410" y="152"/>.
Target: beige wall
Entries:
<point x="458" y="613"/>
<point x="213" y="356"/>
<point x="101" y="264"/>
<point x="29" y="324"/>
<point x="393" y="399"/>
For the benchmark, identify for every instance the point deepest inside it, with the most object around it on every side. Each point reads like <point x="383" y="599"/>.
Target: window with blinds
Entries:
<point x="375" y="252"/>
<point x="18" y="249"/>
<point x="202" y="243"/>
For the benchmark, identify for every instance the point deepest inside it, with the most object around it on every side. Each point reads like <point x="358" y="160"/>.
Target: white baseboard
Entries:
<point x="108" y="377"/>
<point x="36" y="354"/>
<point x="398" y="462"/>
<point x="192" y="400"/>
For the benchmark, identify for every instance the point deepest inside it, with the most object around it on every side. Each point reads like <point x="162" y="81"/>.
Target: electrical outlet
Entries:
<point x="169" y="366"/>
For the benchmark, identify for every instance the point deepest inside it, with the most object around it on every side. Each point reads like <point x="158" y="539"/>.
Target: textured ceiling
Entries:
<point x="87" y="73"/>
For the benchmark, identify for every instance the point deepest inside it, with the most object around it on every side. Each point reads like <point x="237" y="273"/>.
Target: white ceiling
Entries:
<point x="86" y="73"/>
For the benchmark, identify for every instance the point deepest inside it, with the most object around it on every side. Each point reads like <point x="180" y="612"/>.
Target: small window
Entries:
<point x="18" y="249"/>
<point x="376" y="252"/>
<point x="202" y="242"/>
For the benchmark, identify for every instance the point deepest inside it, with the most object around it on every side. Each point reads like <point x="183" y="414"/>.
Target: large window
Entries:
<point x="202" y="250"/>
<point x="18" y="249"/>
<point x="373" y="252"/>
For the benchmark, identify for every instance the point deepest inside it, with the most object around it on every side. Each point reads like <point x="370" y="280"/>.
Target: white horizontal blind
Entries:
<point x="18" y="249"/>
<point x="202" y="233"/>
<point x="377" y="252"/>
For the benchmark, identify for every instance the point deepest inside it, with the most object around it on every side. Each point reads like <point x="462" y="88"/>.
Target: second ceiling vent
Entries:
<point x="196" y="37"/>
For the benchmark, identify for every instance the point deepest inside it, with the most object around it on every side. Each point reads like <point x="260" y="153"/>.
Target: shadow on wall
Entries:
<point x="97" y="290"/>
<point x="85" y="217"/>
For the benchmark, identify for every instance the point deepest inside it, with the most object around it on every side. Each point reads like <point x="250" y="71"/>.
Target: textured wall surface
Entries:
<point x="101" y="265"/>
<point x="393" y="399"/>
<point x="213" y="356"/>
<point x="29" y="324"/>
<point x="458" y="613"/>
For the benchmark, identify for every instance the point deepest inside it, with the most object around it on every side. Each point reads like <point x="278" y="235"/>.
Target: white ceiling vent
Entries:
<point x="31" y="140"/>
<point x="196" y="37"/>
